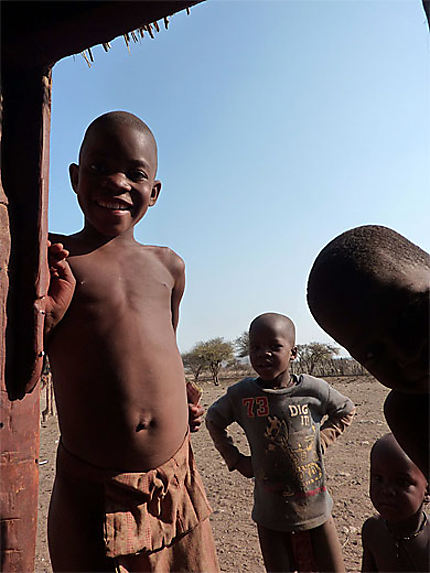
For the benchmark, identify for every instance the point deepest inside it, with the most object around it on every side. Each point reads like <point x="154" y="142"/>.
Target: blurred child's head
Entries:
<point x="115" y="179"/>
<point x="398" y="488"/>
<point x="272" y="347"/>
<point x="369" y="289"/>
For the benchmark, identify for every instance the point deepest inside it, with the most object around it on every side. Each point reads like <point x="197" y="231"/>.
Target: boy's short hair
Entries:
<point x="373" y="252"/>
<point x="269" y="317"/>
<point x="117" y="117"/>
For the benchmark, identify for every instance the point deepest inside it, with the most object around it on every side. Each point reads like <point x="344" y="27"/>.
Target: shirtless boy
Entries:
<point x="127" y="495"/>
<point x="281" y="416"/>
<point x="398" y="539"/>
<point x="369" y="289"/>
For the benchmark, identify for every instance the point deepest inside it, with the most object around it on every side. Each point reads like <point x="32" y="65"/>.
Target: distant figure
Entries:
<point x="369" y="289"/>
<point x="127" y="494"/>
<point x="399" y="538"/>
<point x="281" y="415"/>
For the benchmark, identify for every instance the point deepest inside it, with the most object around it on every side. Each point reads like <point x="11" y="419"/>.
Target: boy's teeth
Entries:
<point x="113" y="205"/>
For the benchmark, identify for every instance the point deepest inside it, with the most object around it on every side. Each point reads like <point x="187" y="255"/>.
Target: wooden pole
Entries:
<point x="23" y="280"/>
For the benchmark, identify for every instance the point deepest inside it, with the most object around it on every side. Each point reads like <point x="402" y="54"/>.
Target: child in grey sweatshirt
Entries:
<point x="281" y="415"/>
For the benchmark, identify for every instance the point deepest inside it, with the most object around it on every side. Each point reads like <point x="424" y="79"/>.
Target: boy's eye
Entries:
<point x="137" y="175"/>
<point x="97" y="168"/>
<point x="276" y="347"/>
<point x="403" y="483"/>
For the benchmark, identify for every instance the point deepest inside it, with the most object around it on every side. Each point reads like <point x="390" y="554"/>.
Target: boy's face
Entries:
<point x="397" y="486"/>
<point x="386" y="328"/>
<point x="115" y="180"/>
<point x="271" y="349"/>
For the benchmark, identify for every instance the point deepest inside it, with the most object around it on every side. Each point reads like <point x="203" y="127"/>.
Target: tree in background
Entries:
<point x="241" y="345"/>
<point x="210" y="354"/>
<point x="314" y="354"/>
<point x="216" y="351"/>
<point x="193" y="361"/>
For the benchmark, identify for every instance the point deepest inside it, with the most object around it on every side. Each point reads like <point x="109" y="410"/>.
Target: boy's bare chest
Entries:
<point x="129" y="281"/>
<point x="409" y="554"/>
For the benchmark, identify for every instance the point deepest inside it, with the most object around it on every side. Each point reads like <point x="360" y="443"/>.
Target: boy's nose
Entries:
<point x="388" y="490"/>
<point x="117" y="181"/>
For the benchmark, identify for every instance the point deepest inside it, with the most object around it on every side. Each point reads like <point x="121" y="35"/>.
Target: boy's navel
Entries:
<point x="144" y="425"/>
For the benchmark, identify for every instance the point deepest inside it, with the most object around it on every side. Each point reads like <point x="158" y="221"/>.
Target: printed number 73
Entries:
<point x="259" y="404"/>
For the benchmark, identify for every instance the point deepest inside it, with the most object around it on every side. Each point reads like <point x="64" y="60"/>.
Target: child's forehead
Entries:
<point x="111" y="137"/>
<point x="387" y="448"/>
<point x="269" y="329"/>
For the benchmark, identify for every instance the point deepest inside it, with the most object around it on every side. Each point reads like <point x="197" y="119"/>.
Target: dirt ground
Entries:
<point x="230" y="494"/>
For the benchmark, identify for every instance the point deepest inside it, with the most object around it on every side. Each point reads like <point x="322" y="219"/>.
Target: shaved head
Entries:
<point x="387" y="442"/>
<point x="363" y="255"/>
<point x="109" y="121"/>
<point x="275" y="321"/>
<point x="369" y="289"/>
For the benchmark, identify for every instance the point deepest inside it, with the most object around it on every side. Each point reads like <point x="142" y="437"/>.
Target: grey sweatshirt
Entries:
<point x="286" y="439"/>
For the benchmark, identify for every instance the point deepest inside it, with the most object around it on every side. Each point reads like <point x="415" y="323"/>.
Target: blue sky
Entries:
<point x="280" y="124"/>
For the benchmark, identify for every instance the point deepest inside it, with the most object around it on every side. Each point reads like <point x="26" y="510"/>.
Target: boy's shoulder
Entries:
<point x="241" y="386"/>
<point x="307" y="379"/>
<point x="371" y="527"/>
<point x="166" y="254"/>
<point x="76" y="245"/>
<point x="167" y="257"/>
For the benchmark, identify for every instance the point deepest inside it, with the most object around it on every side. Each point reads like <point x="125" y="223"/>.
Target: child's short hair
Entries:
<point x="117" y="117"/>
<point x="371" y="252"/>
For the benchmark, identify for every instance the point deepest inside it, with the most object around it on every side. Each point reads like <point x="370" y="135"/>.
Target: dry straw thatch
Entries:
<point x="133" y="36"/>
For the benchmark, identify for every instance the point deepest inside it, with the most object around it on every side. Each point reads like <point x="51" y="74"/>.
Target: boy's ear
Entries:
<point x="155" y="192"/>
<point x="293" y="353"/>
<point x="74" y="176"/>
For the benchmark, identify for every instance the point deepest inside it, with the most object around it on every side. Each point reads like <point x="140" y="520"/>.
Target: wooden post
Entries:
<point x="23" y="279"/>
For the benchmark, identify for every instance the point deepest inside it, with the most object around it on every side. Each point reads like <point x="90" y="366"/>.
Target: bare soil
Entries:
<point x="230" y="494"/>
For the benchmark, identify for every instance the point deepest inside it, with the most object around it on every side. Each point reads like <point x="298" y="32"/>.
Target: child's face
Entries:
<point x="114" y="181"/>
<point x="397" y="486"/>
<point x="271" y="349"/>
<point x="387" y="330"/>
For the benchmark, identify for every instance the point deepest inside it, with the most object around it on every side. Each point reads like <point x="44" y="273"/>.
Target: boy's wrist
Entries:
<point x="239" y="458"/>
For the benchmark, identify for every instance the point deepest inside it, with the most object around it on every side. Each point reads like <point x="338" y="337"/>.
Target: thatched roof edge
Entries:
<point x="133" y="36"/>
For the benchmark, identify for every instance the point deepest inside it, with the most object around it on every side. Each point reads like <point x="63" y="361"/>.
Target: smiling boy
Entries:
<point x="398" y="539"/>
<point x="127" y="494"/>
<point x="281" y="416"/>
<point x="369" y="288"/>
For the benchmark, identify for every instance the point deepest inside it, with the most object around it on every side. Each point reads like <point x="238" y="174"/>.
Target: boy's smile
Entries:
<point x="115" y="181"/>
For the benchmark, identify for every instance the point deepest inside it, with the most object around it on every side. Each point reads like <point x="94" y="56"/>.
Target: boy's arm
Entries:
<point x="195" y="409"/>
<point x="219" y="416"/>
<point x="408" y="416"/>
<point x="178" y="288"/>
<point x="340" y="411"/>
